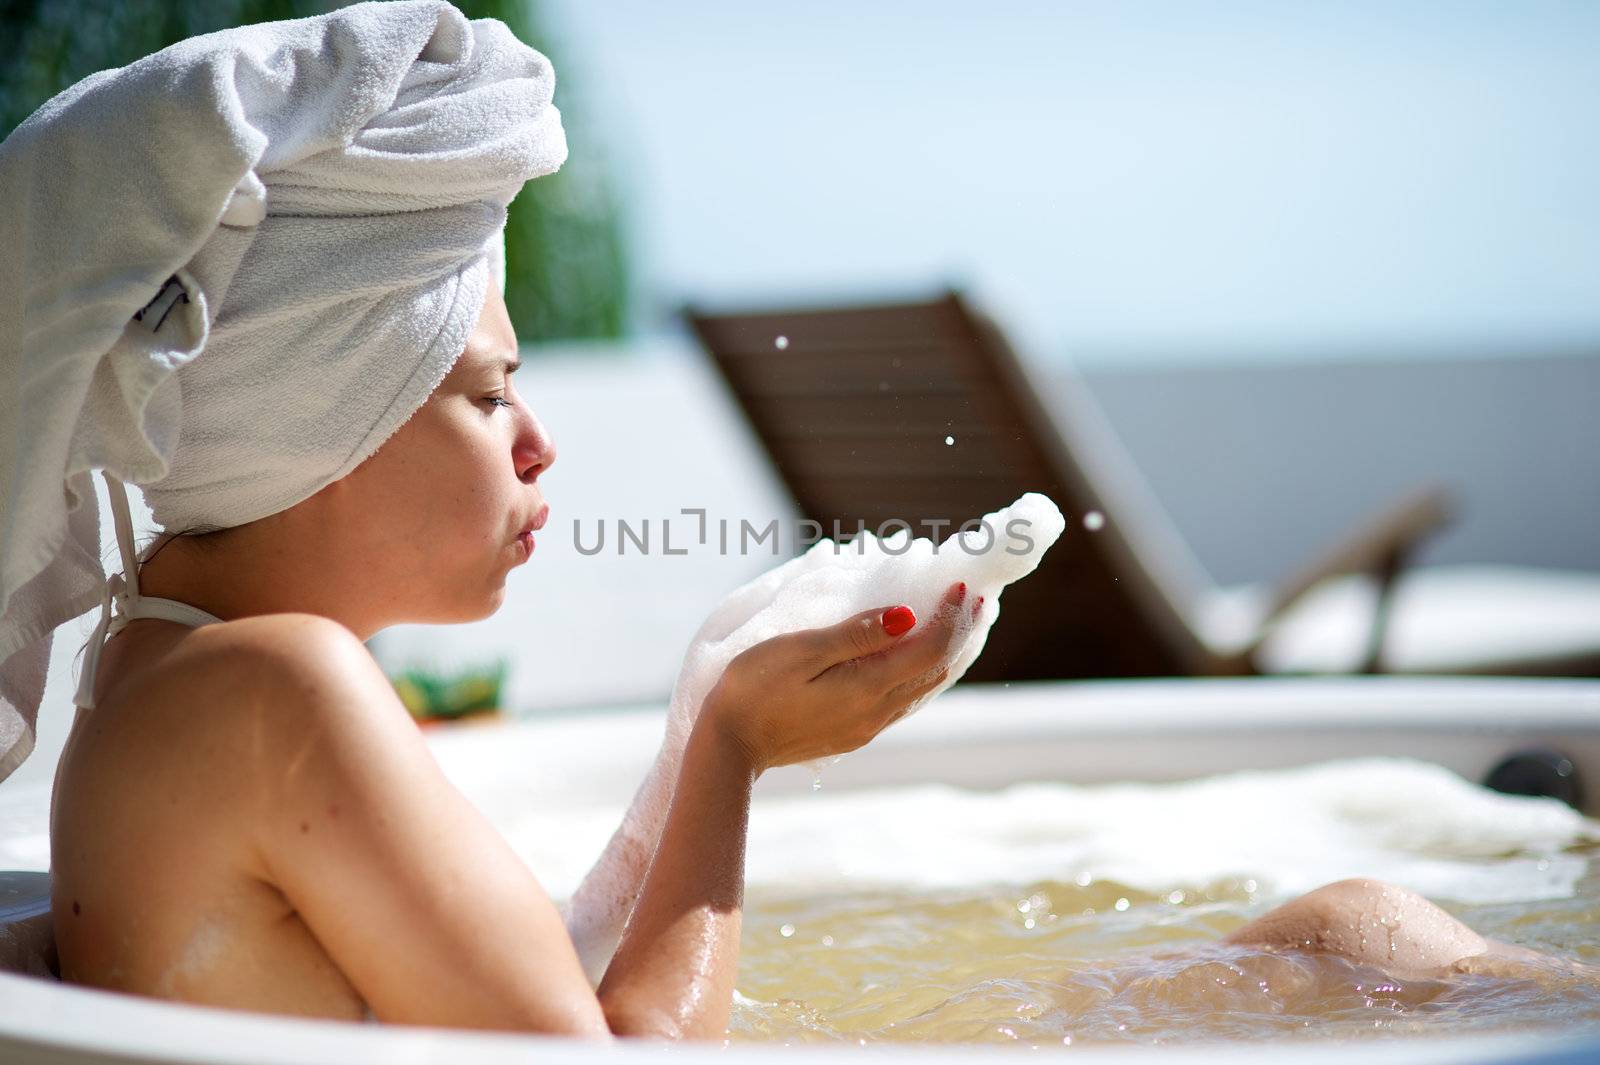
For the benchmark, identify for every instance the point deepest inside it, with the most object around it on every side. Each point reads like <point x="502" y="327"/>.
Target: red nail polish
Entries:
<point x="898" y="620"/>
<point x="961" y="590"/>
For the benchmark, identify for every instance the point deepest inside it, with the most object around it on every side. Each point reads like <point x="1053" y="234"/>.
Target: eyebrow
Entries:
<point x="513" y="364"/>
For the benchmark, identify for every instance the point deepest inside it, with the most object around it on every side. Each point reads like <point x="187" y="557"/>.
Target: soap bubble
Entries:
<point x="949" y="441"/>
<point x="781" y="343"/>
<point x="1094" y="521"/>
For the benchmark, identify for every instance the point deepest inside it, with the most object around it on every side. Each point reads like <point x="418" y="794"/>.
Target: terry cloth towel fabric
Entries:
<point x="232" y="270"/>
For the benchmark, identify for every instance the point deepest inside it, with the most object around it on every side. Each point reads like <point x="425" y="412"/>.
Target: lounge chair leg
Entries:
<point x="1387" y="570"/>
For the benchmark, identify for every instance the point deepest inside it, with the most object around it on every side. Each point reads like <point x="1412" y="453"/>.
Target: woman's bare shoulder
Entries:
<point x="287" y="640"/>
<point x="254" y="686"/>
<point x="299" y="663"/>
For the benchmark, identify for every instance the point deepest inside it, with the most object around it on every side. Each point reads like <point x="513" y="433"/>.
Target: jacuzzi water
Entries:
<point x="1046" y="915"/>
<point x="970" y="967"/>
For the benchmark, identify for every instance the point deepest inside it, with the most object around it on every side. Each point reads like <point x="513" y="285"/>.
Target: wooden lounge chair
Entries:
<point x="921" y="411"/>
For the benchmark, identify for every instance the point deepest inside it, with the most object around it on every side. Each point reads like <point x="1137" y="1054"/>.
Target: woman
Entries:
<point x="244" y="813"/>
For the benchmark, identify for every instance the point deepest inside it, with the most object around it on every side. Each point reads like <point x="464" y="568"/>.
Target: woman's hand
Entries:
<point x="819" y="692"/>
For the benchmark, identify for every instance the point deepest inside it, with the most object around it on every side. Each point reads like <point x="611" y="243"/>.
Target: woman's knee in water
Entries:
<point x="1367" y="921"/>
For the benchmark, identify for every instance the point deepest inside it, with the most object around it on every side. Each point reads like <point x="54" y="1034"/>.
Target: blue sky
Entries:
<point x="1147" y="182"/>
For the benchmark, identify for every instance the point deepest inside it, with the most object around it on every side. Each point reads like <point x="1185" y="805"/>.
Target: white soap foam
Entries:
<point x="1412" y="823"/>
<point x="831" y="582"/>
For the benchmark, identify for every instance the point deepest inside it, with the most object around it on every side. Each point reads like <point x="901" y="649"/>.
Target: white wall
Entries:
<point x="1264" y="467"/>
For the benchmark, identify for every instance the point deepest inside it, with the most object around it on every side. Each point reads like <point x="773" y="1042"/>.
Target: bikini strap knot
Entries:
<point x="119" y="588"/>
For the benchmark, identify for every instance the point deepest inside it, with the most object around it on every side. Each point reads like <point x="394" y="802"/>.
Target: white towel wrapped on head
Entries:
<point x="232" y="270"/>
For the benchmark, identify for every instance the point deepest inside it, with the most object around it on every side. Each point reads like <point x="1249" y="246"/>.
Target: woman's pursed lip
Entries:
<point x="538" y="520"/>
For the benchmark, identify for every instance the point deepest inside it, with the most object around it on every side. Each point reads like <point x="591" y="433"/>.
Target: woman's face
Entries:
<point x="455" y="485"/>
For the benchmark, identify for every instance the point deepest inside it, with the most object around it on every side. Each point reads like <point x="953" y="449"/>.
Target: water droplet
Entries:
<point x="781" y="343"/>
<point x="1094" y="521"/>
<point x="786" y="931"/>
<point x="1028" y="923"/>
<point x="1122" y="904"/>
<point x="1084" y="879"/>
<point x="816" y="780"/>
<point x="949" y="441"/>
<point x="1175" y="897"/>
<point x="827" y="941"/>
<point x="1025" y="905"/>
<point x="1250" y="887"/>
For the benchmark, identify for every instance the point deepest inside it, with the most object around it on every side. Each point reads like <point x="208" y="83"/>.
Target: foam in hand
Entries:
<point x="827" y="584"/>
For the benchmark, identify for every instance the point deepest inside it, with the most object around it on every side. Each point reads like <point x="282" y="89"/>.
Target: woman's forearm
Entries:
<point x="673" y="972"/>
<point x="599" y="908"/>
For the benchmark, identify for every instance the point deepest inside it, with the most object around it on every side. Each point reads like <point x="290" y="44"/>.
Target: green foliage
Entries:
<point x="566" y="264"/>
<point x="567" y="271"/>
<point x="434" y="696"/>
<point x="51" y="44"/>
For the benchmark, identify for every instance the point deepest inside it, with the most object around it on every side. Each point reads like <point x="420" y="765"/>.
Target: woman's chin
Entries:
<point x="488" y="604"/>
<point x="496" y="601"/>
<point x="461" y="611"/>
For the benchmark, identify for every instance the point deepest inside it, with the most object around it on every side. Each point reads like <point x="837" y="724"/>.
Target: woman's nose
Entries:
<point x="535" y="451"/>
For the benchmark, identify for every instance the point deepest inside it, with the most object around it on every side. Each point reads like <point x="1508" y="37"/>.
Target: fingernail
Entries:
<point x="977" y="606"/>
<point x="898" y="620"/>
<point x="960" y="591"/>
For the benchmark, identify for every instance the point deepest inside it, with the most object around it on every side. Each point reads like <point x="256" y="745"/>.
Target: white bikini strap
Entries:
<point x="115" y="586"/>
<point x="119" y="516"/>
<point x="124" y="589"/>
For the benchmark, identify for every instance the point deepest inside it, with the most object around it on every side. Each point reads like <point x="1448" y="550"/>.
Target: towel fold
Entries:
<point x="232" y="270"/>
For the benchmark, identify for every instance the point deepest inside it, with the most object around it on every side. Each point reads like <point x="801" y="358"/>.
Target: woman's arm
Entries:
<point x="791" y="699"/>
<point x="415" y="896"/>
<point x="429" y="913"/>
<point x="673" y="972"/>
<point x="599" y="908"/>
